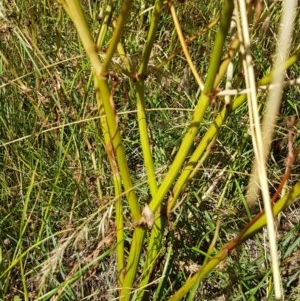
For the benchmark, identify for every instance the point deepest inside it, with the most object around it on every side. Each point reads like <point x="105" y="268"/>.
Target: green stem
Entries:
<point x="218" y="46"/>
<point x="116" y="181"/>
<point x="118" y="148"/>
<point x="74" y="10"/>
<point x="132" y="265"/>
<point x="140" y="96"/>
<point x="125" y="10"/>
<point x="186" y="143"/>
<point x="109" y="9"/>
<point x="212" y="132"/>
<point x="151" y="36"/>
<point x="144" y="139"/>
<point x="154" y="248"/>
<point x="119" y="227"/>
<point x="111" y="156"/>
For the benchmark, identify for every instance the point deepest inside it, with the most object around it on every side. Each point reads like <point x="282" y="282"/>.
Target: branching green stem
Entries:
<point x="202" y="105"/>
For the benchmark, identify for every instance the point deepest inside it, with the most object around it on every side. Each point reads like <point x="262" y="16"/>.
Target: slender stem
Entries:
<point x="150" y="37"/>
<point x="105" y="24"/>
<point x="119" y="228"/>
<point x="118" y="148"/>
<point x="116" y="181"/>
<point x="74" y="10"/>
<point x="140" y="97"/>
<point x="111" y="156"/>
<point x="184" y="46"/>
<point x="132" y="265"/>
<point x="125" y="10"/>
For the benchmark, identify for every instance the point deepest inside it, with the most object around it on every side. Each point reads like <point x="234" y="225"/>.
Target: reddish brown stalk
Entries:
<point x="228" y="247"/>
<point x="290" y="160"/>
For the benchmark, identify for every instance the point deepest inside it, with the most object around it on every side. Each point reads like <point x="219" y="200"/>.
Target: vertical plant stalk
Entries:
<point x="140" y="97"/>
<point x="154" y="248"/>
<point x="74" y="10"/>
<point x="154" y="245"/>
<point x="119" y="228"/>
<point x="112" y="136"/>
<point x="125" y="10"/>
<point x="107" y="15"/>
<point x="258" y="140"/>
<point x="119" y="220"/>
<point x="117" y="183"/>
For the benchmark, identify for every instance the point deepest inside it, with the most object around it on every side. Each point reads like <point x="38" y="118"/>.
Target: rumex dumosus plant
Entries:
<point x="141" y="246"/>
